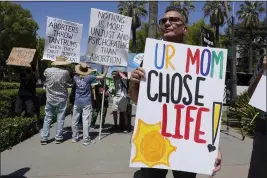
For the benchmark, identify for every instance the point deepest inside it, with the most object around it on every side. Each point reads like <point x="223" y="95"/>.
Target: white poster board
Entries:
<point x="109" y="37"/>
<point x="62" y="38"/>
<point x="178" y="115"/>
<point x="258" y="98"/>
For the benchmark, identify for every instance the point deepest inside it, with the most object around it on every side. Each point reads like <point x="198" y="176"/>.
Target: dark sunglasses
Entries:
<point x="172" y="20"/>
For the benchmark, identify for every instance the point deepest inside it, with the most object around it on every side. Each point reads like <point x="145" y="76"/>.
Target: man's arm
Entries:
<point x="261" y="67"/>
<point x="134" y="85"/>
<point x="99" y="77"/>
<point x="72" y="93"/>
<point x="36" y="75"/>
<point x="133" y="92"/>
<point x="254" y="83"/>
<point x="69" y="79"/>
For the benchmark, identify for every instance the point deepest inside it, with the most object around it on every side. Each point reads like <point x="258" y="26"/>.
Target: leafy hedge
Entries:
<point x="14" y="129"/>
<point x="8" y="100"/>
<point x="9" y="85"/>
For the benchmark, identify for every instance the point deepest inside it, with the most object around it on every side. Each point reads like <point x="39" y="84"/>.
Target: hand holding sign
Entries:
<point x="264" y="63"/>
<point x="106" y="68"/>
<point x="135" y="79"/>
<point x="137" y="75"/>
<point x="217" y="165"/>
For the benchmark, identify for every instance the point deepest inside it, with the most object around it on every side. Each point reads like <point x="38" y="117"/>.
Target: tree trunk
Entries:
<point x="153" y="18"/>
<point x="217" y="28"/>
<point x="250" y="61"/>
<point x="233" y="65"/>
<point x="134" y="39"/>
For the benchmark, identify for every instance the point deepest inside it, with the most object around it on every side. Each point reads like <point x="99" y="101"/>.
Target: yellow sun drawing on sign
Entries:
<point x="151" y="147"/>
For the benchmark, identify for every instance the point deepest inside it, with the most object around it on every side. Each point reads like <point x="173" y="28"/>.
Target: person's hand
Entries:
<point x="137" y="75"/>
<point x="264" y="64"/>
<point x="107" y="93"/>
<point x="217" y="164"/>
<point x="106" y="68"/>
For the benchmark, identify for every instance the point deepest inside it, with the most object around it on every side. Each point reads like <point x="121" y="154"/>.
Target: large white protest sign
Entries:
<point x="178" y="115"/>
<point x="258" y="98"/>
<point x="109" y="36"/>
<point x="62" y="38"/>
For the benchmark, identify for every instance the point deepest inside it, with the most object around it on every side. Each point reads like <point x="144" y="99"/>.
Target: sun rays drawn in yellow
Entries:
<point x="151" y="147"/>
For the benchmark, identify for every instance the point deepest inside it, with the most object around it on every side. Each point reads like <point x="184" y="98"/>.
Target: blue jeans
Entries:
<point x="86" y="111"/>
<point x="50" y="110"/>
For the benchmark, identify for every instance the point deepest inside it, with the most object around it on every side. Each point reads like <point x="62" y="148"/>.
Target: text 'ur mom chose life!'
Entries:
<point x="175" y="88"/>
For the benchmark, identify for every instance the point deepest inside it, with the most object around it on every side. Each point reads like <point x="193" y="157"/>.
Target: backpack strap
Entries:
<point x="123" y="84"/>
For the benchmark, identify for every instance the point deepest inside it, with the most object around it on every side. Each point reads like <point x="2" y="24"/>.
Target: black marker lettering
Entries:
<point x="155" y="97"/>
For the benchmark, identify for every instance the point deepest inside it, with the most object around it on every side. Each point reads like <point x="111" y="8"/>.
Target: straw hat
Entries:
<point x="60" y="60"/>
<point x="83" y="69"/>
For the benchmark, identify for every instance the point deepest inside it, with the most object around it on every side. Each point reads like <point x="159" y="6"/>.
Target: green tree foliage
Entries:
<point x="136" y="10"/>
<point x="184" y="7"/>
<point x="19" y="28"/>
<point x="217" y="11"/>
<point x="193" y="36"/>
<point x="242" y="38"/>
<point x="141" y="36"/>
<point x="42" y="65"/>
<point x="249" y="16"/>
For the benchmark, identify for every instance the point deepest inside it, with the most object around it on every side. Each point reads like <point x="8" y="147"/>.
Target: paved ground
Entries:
<point x="107" y="158"/>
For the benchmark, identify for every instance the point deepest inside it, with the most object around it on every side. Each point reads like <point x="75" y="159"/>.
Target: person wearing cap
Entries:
<point x="83" y="102"/>
<point x="120" y="100"/>
<point x="57" y="80"/>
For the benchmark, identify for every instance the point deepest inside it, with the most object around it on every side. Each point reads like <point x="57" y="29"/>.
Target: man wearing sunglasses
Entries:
<point x="173" y="29"/>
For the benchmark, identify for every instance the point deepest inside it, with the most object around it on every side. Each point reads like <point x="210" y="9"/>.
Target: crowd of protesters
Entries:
<point x="85" y="98"/>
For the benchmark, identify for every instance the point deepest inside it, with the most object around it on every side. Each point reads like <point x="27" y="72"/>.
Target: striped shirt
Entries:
<point x="57" y="83"/>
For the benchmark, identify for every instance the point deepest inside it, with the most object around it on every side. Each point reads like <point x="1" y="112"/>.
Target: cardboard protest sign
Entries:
<point x="62" y="38"/>
<point x="258" y="98"/>
<point x="21" y="57"/>
<point x="109" y="36"/>
<point x="178" y="115"/>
